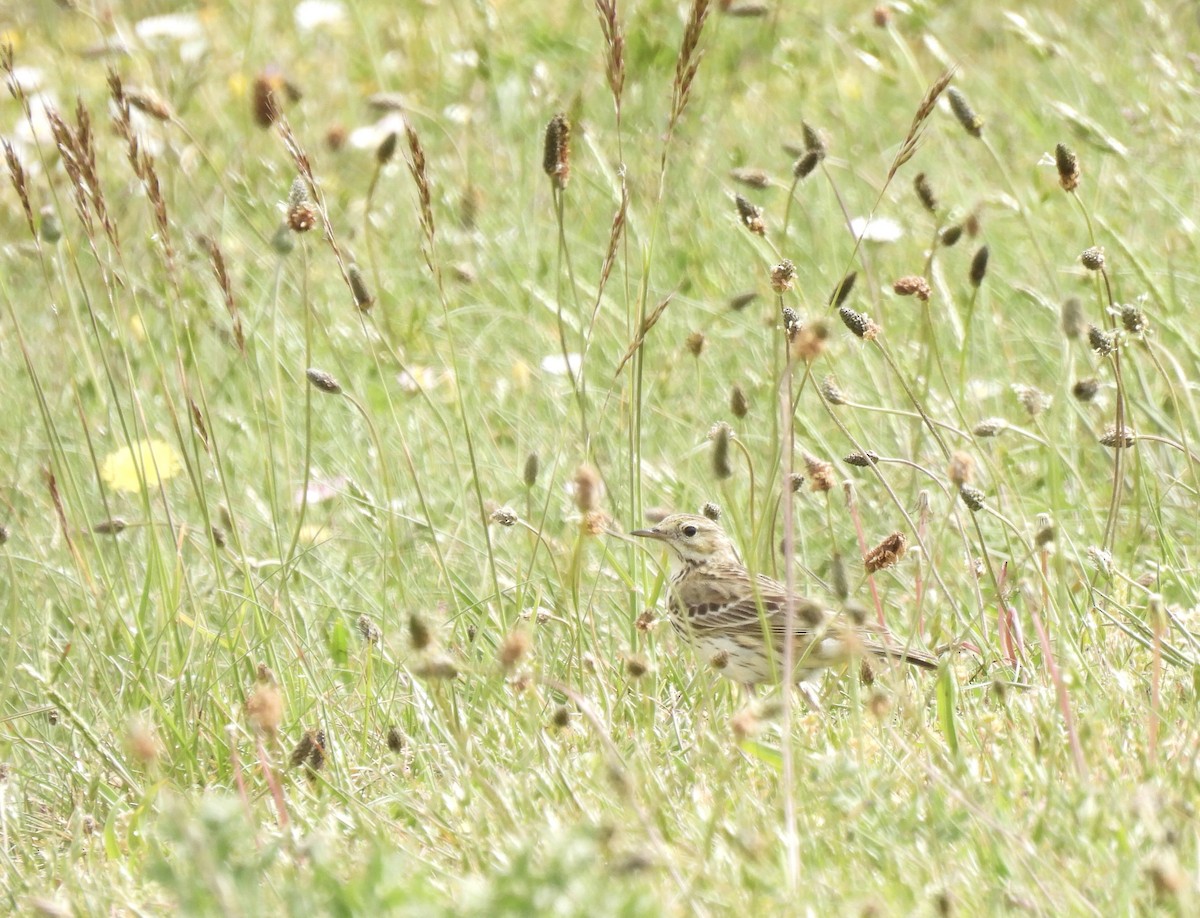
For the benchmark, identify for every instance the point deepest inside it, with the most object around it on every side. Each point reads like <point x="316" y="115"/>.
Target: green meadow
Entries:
<point x="344" y="343"/>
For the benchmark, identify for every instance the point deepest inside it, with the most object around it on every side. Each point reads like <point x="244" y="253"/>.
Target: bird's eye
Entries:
<point x="689" y="531"/>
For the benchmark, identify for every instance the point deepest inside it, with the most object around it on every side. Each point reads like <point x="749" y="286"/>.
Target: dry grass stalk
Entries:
<point x="614" y="43"/>
<point x="916" y="129"/>
<point x="20" y="183"/>
<point x="688" y="61"/>
<point x="614" y="239"/>
<point x="417" y="167"/>
<point x="217" y="261"/>
<point x="647" y="324"/>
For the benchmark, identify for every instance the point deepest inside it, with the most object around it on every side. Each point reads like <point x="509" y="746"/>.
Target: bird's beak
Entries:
<point x="649" y="534"/>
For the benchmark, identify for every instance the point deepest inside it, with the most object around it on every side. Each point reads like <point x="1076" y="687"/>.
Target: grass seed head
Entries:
<point x="301" y="215"/>
<point x="809" y="343"/>
<point x="841" y="293"/>
<point x="1067" y="164"/>
<point x="971" y="122"/>
<point x="738" y="403"/>
<point x="513" y="648"/>
<point x="4" y="535"/>
<point x="505" y="516"/>
<point x="832" y="392"/>
<point x="961" y="470"/>
<point x="820" y="473"/>
<point x="636" y="666"/>
<point x="979" y="264"/>
<point x="358" y="286"/>
<point x="925" y="192"/>
<point x="860" y="323"/>
<point x="1133" y="319"/>
<point x="556" y="154"/>
<point x="750" y="216"/>
<point x="720" y="435"/>
<point x="913" y="285"/>
<point x="368" y="630"/>
<point x="951" y="234"/>
<point x="740" y="301"/>
<point x="561" y="718"/>
<point x="791" y="323"/>
<point x="862" y="458"/>
<point x="49" y="227"/>
<point x="1101" y="341"/>
<point x="783" y="276"/>
<point x="395" y="740"/>
<point x="1071" y="317"/>
<point x="264" y="708"/>
<point x="711" y="510"/>
<point x="1118" y="437"/>
<point x="1032" y="399"/>
<point x="323" y="381"/>
<point x="1085" y="390"/>
<point x="806" y="164"/>
<point x="419" y="634"/>
<point x="529" y="473"/>
<point x="695" y="343"/>
<point x="887" y="553"/>
<point x="588" y="489"/>
<point x="990" y="427"/>
<point x="751" y="178"/>
<point x="972" y="497"/>
<point x="1093" y="258"/>
<point x="387" y="149"/>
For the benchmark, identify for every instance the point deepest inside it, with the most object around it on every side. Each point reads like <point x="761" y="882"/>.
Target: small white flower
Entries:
<point x="876" y="229"/>
<point x="555" y="365"/>
<point x="311" y="15"/>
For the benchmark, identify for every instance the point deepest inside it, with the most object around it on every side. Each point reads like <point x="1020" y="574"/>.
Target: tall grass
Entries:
<point x="316" y="593"/>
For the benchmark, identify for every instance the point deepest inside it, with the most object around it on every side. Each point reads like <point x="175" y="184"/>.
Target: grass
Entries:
<point x="503" y="728"/>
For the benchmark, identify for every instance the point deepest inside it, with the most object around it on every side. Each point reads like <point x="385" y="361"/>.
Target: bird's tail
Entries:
<point x="909" y="655"/>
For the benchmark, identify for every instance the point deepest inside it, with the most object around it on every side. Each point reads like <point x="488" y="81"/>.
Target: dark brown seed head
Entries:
<point x="783" y="276"/>
<point x="265" y="97"/>
<point x="1072" y="317"/>
<point x="972" y="497"/>
<point x="912" y="285"/>
<point x="738" y="403"/>
<point x="795" y="482"/>
<point x="114" y="526"/>
<point x="752" y="178"/>
<point x="387" y="149"/>
<point x="862" y="458"/>
<point x="832" y="392"/>
<point x="791" y="323"/>
<point x="358" y="286"/>
<point x="971" y="122"/>
<point x="505" y="516"/>
<point x="1085" y="389"/>
<point x="561" y="717"/>
<point x="1093" y="258"/>
<point x="302" y="750"/>
<point x="820" y="473"/>
<point x="556" y="156"/>
<point x="859" y="323"/>
<point x="925" y="192"/>
<point x="804" y="166"/>
<point x="951" y="235"/>
<point x="740" y="301"/>
<point x="301" y="215"/>
<point x="720" y="436"/>
<point x="886" y="554"/>
<point x="395" y="740"/>
<point x="841" y="292"/>
<point x="712" y="510"/>
<point x="645" y="621"/>
<point x="1133" y="319"/>
<point x="813" y="141"/>
<point x="1118" y="438"/>
<point x="882" y="16"/>
<point x="368" y="630"/>
<point x="750" y="216"/>
<point x="979" y="266"/>
<point x="418" y="632"/>
<point x="1045" y="534"/>
<point x="636" y="666"/>
<point x="1032" y="399"/>
<point x="1101" y="341"/>
<point x="990" y="427"/>
<point x="1068" y="167"/>
<point x="323" y="381"/>
<point x="4" y="535"/>
<point x="530" y="473"/>
<point x="695" y="343"/>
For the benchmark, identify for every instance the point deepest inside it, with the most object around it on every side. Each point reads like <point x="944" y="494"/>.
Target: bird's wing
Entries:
<point x="723" y="600"/>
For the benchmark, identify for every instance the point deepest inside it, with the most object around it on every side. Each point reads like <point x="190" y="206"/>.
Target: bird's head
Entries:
<point x="694" y="539"/>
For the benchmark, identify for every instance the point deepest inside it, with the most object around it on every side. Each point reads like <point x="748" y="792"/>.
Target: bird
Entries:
<point x="738" y="621"/>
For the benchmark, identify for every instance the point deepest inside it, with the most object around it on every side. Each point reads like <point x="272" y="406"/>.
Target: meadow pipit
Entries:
<point x="737" y="621"/>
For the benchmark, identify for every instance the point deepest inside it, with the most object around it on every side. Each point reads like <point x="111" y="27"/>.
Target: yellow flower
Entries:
<point x="157" y="459"/>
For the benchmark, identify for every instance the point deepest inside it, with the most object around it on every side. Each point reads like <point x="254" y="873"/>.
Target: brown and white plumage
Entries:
<point x="728" y="615"/>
